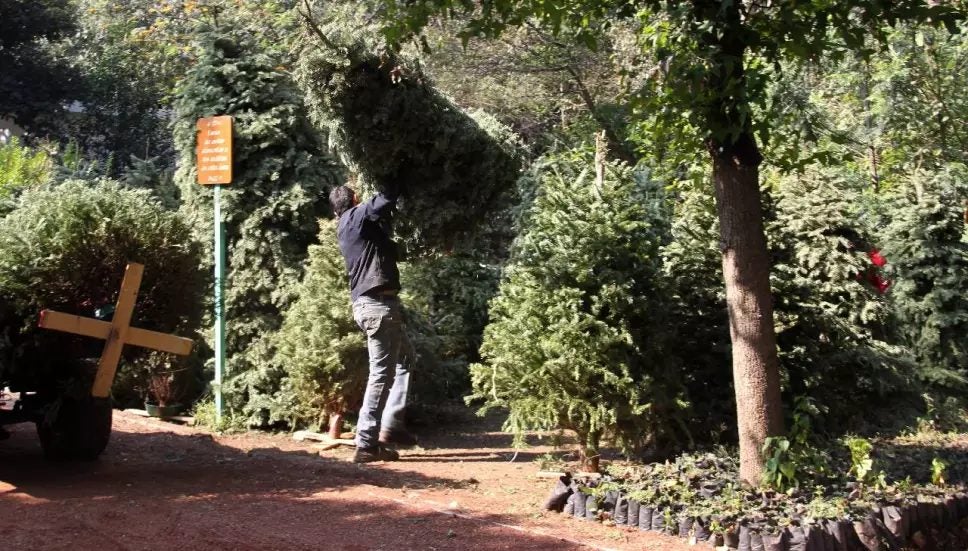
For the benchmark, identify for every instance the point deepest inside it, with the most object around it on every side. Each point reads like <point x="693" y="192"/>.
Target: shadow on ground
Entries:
<point x="161" y="489"/>
<point x="913" y="457"/>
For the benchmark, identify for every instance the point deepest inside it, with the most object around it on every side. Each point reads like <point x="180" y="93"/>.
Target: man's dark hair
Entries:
<point x="341" y="199"/>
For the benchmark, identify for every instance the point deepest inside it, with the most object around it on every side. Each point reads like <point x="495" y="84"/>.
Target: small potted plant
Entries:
<point x="164" y="388"/>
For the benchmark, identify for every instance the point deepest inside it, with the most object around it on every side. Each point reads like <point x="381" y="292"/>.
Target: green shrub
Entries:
<point x="205" y="416"/>
<point x="692" y="276"/>
<point x="324" y="355"/>
<point x="928" y="261"/>
<point x="452" y="292"/>
<point x="831" y="322"/>
<point x="943" y="413"/>
<point x="438" y="378"/>
<point x="794" y="460"/>
<point x="320" y="346"/>
<point x="65" y="248"/>
<point x="21" y="167"/>
<point x="576" y="337"/>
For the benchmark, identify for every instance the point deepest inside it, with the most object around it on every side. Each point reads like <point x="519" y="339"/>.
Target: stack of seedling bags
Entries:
<point x="699" y="498"/>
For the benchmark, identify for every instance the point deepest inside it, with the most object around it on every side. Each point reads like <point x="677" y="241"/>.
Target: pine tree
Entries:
<point x="830" y="319"/>
<point x="831" y="322"/>
<point x="65" y="247"/>
<point x="320" y="346"/>
<point x="573" y="340"/>
<point x="281" y="176"/>
<point x="928" y="261"/>
<point x="692" y="276"/>
<point x="453" y="292"/>
<point x="390" y="125"/>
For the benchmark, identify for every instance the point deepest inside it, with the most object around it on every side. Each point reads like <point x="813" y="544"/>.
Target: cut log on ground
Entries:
<point x="328" y="442"/>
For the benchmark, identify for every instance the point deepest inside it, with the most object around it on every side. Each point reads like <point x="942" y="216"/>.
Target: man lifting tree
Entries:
<point x="364" y="235"/>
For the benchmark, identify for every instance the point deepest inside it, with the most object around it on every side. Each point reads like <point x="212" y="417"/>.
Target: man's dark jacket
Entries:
<point x="364" y="239"/>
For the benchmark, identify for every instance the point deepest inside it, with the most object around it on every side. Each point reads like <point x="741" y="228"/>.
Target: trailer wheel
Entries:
<point x="76" y="428"/>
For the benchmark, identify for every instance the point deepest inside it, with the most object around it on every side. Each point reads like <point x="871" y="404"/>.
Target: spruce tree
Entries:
<point x="573" y="339"/>
<point x="928" y="262"/>
<point x="692" y="276"/>
<point x="324" y="352"/>
<point x="830" y="319"/>
<point x="453" y="292"/>
<point x="281" y="176"/>
<point x="391" y="126"/>
<point x="320" y="345"/>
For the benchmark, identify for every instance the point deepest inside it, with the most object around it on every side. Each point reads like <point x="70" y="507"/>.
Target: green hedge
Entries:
<point x="65" y="248"/>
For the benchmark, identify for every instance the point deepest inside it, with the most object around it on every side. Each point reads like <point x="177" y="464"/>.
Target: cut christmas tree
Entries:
<point x="398" y="133"/>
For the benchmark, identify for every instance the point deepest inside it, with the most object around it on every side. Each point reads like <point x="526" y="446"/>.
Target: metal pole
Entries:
<point x="219" y="304"/>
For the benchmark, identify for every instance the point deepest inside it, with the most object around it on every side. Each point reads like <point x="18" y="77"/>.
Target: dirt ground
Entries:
<point x="166" y="486"/>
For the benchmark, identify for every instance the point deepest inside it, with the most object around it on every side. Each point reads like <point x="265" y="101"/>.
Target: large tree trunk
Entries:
<point x="746" y="271"/>
<point x="746" y="261"/>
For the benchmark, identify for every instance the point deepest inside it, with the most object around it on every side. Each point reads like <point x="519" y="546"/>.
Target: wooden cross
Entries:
<point x="116" y="333"/>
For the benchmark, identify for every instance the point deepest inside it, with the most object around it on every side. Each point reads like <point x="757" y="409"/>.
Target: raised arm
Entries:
<point x="380" y="205"/>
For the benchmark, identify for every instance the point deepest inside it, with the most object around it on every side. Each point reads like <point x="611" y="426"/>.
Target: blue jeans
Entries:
<point x="385" y="400"/>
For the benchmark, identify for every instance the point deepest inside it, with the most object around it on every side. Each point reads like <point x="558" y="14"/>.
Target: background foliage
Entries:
<point x="65" y="248"/>
<point x="282" y="173"/>
<point x="926" y="239"/>
<point x="319" y="345"/>
<point x="574" y="339"/>
<point x="21" y="167"/>
<point x="864" y="149"/>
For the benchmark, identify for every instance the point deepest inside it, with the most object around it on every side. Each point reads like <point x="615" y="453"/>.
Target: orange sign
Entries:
<point x="213" y="150"/>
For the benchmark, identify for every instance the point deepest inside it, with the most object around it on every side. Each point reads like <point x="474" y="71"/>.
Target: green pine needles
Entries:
<point x="282" y="174"/>
<point x="65" y="247"/>
<point x="320" y="346"/>
<point x="929" y="263"/>
<point x="21" y="167"/>
<point x="692" y="271"/>
<point x="392" y="127"/>
<point x="830" y="318"/>
<point x="573" y="340"/>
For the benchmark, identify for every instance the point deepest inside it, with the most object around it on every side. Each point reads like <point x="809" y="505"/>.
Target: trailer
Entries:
<point x="71" y="404"/>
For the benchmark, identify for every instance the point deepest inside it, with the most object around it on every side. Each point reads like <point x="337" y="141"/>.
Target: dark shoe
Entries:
<point x="375" y="453"/>
<point x="398" y="437"/>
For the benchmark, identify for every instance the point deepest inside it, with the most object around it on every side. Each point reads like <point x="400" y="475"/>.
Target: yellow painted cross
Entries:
<point x="116" y="333"/>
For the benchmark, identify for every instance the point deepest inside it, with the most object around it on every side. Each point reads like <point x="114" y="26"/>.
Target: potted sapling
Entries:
<point x="164" y="388"/>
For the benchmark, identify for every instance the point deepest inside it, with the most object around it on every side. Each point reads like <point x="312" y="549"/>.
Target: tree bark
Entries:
<point x="746" y="271"/>
<point x="746" y="260"/>
<point x="588" y="452"/>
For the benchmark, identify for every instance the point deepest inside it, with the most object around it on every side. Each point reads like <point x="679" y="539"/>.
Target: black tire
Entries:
<point x="76" y="429"/>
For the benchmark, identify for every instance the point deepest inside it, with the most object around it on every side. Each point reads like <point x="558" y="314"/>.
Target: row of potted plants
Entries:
<point x="698" y="497"/>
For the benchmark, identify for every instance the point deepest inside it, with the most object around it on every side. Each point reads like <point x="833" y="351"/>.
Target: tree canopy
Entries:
<point x="713" y="62"/>
<point x="34" y="85"/>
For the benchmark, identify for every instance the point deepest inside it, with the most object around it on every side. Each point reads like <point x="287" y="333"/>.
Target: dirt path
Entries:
<point x="166" y="486"/>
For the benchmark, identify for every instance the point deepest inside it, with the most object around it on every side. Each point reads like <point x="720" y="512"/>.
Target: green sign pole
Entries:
<point x="219" y="304"/>
<point x="213" y="154"/>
